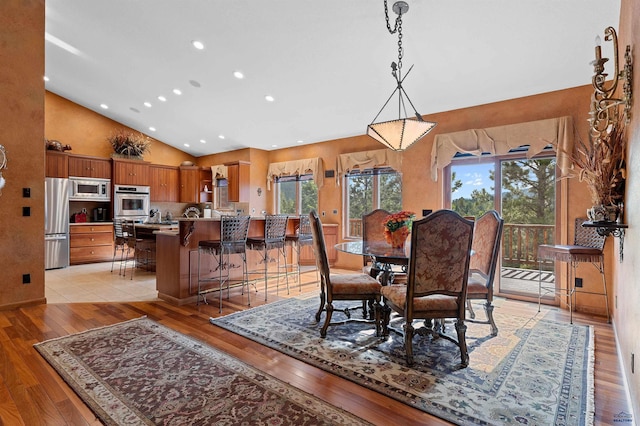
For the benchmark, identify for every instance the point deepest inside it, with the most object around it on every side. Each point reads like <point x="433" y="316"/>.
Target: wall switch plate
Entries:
<point x="26" y="192"/>
<point x="26" y="278"/>
<point x="335" y="211"/>
<point x="579" y="282"/>
<point x="26" y="211"/>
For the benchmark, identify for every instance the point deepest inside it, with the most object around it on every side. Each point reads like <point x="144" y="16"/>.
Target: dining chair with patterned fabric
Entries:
<point x="373" y="231"/>
<point x="333" y="287"/>
<point x="487" y="236"/>
<point x="437" y="280"/>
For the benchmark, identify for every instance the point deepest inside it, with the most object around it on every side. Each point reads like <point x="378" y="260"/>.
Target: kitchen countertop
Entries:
<point x="90" y="223"/>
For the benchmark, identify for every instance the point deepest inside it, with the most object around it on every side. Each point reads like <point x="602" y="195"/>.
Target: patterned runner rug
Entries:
<point x="535" y="372"/>
<point x="142" y="373"/>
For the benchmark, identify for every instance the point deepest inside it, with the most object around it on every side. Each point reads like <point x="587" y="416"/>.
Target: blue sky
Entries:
<point x="473" y="176"/>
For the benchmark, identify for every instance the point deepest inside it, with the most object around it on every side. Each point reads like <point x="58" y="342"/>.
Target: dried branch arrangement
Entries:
<point x="129" y="143"/>
<point x="602" y="165"/>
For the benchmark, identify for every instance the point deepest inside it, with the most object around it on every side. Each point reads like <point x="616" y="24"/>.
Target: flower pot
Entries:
<point x="398" y="238"/>
<point x="603" y="213"/>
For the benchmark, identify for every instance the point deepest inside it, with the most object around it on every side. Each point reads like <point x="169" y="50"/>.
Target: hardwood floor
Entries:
<point x="32" y="393"/>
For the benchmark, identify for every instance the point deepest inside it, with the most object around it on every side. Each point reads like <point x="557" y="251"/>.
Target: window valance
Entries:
<point x="499" y="140"/>
<point x="219" y="171"/>
<point x="368" y="160"/>
<point x="312" y="166"/>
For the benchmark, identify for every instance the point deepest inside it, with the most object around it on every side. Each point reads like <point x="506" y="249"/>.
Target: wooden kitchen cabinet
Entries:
<point x="85" y="166"/>
<point x="205" y="186"/>
<point x="57" y="164"/>
<point x="330" y="231"/>
<point x="130" y="172"/>
<point x="90" y="243"/>
<point x="164" y="183"/>
<point x="189" y="184"/>
<point x="238" y="181"/>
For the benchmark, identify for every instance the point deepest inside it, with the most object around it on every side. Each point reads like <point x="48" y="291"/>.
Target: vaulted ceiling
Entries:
<point x="325" y="63"/>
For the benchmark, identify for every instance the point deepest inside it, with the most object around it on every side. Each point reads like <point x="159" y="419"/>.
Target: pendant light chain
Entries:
<point x="397" y="28"/>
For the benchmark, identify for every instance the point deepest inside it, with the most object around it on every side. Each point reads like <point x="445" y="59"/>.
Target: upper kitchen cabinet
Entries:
<point x="206" y="185"/>
<point x="164" y="183"/>
<point x="57" y="164"/>
<point x="238" y="181"/>
<point x="189" y="184"/>
<point x="84" y="166"/>
<point x="130" y="172"/>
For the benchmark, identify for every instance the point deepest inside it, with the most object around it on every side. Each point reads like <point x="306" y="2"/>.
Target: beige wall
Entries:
<point x="21" y="133"/>
<point x="627" y="273"/>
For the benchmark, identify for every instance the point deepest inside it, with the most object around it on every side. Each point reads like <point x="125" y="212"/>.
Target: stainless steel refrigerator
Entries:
<point x="56" y="223"/>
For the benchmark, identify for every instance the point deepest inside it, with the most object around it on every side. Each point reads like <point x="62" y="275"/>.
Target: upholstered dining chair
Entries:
<point x="373" y="232"/>
<point x="437" y="279"/>
<point x="333" y="287"/>
<point x="487" y="236"/>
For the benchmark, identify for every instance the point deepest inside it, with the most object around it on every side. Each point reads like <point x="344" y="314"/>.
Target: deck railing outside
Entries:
<point x="519" y="242"/>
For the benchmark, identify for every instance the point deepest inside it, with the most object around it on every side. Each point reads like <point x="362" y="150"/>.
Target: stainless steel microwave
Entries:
<point x="89" y="189"/>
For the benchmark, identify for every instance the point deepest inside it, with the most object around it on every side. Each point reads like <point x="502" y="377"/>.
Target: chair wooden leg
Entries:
<point x="461" y="329"/>
<point x="323" y="298"/>
<point x="327" y="320"/>
<point x="488" y="308"/>
<point x="377" y="311"/>
<point x="472" y="314"/>
<point x="408" y="341"/>
<point x="386" y="317"/>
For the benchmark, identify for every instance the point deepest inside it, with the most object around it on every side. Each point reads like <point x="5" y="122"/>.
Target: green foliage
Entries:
<point x="480" y="202"/>
<point x="360" y="195"/>
<point x="528" y="188"/>
<point x="309" y="194"/>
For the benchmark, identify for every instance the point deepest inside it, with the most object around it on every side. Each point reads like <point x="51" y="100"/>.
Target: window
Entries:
<point x="296" y="195"/>
<point x="367" y="190"/>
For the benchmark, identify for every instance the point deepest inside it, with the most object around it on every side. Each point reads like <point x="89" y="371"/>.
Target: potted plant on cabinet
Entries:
<point x="128" y="144"/>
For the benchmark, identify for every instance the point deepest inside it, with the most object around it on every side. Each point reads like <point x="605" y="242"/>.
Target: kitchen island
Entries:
<point x="177" y="256"/>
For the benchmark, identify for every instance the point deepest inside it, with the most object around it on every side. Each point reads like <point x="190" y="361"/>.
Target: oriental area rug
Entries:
<point x="535" y="372"/>
<point x="142" y="373"/>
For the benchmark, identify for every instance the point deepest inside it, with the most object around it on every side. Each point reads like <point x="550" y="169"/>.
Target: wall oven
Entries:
<point x="89" y="189"/>
<point x="131" y="202"/>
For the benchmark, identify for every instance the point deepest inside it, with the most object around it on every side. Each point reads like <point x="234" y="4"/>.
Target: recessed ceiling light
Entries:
<point x="238" y="75"/>
<point x="162" y="98"/>
<point x="203" y="141"/>
<point x="300" y="141"/>
<point x="104" y="106"/>
<point x="177" y="91"/>
<point x="147" y="104"/>
<point x="194" y="83"/>
<point x="220" y="136"/>
<point x="269" y="98"/>
<point x="198" y="44"/>
<point x="153" y="129"/>
<point x="274" y="146"/>
<point x="187" y="145"/>
<point x="46" y="78"/>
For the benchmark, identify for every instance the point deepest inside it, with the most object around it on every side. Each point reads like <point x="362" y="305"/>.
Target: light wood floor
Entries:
<point x="31" y="393"/>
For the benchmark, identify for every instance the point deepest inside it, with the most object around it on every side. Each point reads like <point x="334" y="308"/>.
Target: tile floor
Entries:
<point x="96" y="283"/>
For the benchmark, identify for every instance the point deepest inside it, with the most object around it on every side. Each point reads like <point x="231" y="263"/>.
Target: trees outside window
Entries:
<point x="296" y="195"/>
<point x="368" y="190"/>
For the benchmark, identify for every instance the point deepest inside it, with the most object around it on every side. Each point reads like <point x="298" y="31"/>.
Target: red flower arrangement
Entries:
<point x="397" y="227"/>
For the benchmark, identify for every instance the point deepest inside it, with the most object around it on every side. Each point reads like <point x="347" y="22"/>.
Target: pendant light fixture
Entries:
<point x="399" y="134"/>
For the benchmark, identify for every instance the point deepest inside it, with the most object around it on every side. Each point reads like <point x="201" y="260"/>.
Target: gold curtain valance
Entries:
<point x="368" y="160"/>
<point x="219" y="171"/>
<point x="313" y="166"/>
<point x="499" y="140"/>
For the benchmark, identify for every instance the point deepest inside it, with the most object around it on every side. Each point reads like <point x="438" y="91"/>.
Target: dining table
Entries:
<point x="383" y="255"/>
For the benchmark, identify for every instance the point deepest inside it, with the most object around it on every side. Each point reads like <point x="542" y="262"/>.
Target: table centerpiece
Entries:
<point x="397" y="227"/>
